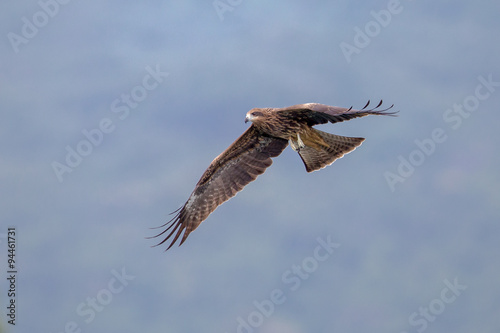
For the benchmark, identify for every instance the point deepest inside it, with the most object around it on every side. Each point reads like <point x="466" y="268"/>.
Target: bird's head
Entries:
<point x="254" y="115"/>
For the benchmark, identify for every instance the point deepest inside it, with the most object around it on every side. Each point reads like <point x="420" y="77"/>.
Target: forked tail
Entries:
<point x="322" y="155"/>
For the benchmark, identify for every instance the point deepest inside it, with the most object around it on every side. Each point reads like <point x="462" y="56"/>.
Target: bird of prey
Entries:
<point x="250" y="155"/>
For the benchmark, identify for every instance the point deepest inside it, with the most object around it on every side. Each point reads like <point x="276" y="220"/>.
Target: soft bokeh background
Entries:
<point x="399" y="244"/>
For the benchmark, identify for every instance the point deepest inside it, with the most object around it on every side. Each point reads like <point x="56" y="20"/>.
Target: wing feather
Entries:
<point x="315" y="113"/>
<point x="248" y="157"/>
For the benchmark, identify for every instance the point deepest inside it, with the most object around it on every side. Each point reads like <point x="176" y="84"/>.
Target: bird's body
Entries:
<point x="250" y="155"/>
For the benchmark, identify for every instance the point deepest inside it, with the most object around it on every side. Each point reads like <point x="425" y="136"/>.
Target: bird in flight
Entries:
<point x="250" y="155"/>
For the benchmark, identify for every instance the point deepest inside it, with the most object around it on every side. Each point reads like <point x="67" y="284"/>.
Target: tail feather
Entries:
<point x="320" y="156"/>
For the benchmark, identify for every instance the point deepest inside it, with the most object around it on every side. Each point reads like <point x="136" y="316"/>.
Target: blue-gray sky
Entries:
<point x="147" y="94"/>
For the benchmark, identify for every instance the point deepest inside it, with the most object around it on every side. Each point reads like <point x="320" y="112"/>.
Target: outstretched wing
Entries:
<point x="249" y="156"/>
<point x="315" y="113"/>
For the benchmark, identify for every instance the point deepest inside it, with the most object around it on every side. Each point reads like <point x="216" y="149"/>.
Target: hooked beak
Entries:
<point x="249" y="117"/>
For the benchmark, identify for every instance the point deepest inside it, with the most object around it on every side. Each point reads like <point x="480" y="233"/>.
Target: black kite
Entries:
<point x="249" y="156"/>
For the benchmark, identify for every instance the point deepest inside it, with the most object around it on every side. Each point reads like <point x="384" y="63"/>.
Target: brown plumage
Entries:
<point x="250" y="155"/>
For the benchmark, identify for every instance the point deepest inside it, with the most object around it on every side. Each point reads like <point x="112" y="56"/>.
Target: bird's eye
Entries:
<point x="257" y="114"/>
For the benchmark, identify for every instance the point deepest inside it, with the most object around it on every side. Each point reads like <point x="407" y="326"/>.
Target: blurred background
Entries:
<point x="111" y="111"/>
